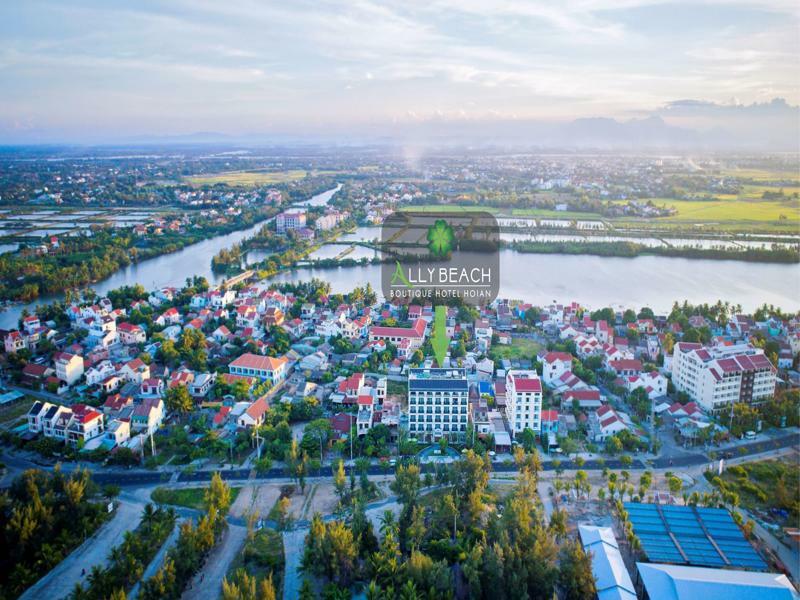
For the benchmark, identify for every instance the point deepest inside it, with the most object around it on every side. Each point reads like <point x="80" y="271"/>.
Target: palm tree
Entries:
<point x="388" y="522"/>
<point x="148" y="515"/>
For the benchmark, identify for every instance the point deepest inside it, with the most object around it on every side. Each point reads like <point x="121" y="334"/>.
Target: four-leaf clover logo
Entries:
<point x="440" y="238"/>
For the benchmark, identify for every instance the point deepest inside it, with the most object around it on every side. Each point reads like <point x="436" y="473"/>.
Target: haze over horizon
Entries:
<point x="715" y="74"/>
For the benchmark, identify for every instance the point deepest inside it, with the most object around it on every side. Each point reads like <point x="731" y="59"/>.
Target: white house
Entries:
<point x="99" y="372"/>
<point x="654" y="383"/>
<point x="253" y="415"/>
<point x="554" y="365"/>
<point x="605" y="422"/>
<point x="69" y="367"/>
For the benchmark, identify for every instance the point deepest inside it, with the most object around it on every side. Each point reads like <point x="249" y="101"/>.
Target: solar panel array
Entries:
<point x="703" y="537"/>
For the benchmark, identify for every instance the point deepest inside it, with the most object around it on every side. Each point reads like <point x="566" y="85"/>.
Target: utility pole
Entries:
<point x="258" y="442"/>
<point x="652" y="427"/>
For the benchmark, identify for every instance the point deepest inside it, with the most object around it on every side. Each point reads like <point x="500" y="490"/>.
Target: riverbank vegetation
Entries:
<point x="631" y="249"/>
<point x="82" y="260"/>
<point x="44" y="516"/>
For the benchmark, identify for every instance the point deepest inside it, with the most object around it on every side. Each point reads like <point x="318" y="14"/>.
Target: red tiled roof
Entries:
<point x="257" y="409"/>
<point x="626" y="364"/>
<point x="552" y="357"/>
<point x="256" y="361"/>
<point x="582" y="395"/>
<point x="527" y="384"/>
<point x="549" y="416"/>
<point x="417" y="330"/>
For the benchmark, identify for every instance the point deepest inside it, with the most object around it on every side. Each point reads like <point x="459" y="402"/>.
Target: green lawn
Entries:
<point x="249" y="178"/>
<point x="519" y="348"/>
<point x="187" y="497"/>
<point x="763" y="175"/>
<point x="726" y="210"/>
<point x="744" y="212"/>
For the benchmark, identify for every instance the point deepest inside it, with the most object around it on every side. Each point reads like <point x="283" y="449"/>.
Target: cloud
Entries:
<point x="238" y="64"/>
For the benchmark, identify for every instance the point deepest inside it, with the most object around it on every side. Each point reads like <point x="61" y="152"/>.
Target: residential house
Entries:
<point x="414" y="335"/>
<point x="69" y="367"/>
<point x="118" y="432"/>
<point x="605" y="422"/>
<point x="148" y="416"/>
<point x="253" y="416"/>
<point x="152" y="388"/>
<point x="86" y="423"/>
<point x="135" y="371"/>
<point x="265" y="368"/>
<point x="98" y="372"/>
<point x="14" y="342"/>
<point x="554" y="365"/>
<point x="625" y="367"/>
<point x="131" y="334"/>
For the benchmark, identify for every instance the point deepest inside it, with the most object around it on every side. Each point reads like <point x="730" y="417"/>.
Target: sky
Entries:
<point x="97" y="70"/>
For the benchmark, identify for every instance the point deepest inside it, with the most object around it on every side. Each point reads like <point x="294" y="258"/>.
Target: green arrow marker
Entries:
<point x="439" y="339"/>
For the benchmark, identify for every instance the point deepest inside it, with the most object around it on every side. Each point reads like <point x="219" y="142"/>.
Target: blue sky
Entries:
<point x="87" y="69"/>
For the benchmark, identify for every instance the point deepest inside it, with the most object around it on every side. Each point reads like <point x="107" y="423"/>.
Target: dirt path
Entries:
<point x="207" y="583"/>
<point x="61" y="580"/>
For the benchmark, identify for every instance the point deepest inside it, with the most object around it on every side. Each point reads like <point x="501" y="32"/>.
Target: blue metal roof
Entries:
<point x="692" y="536"/>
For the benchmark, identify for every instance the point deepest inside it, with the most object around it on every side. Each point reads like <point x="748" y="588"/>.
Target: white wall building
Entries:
<point x="715" y="377"/>
<point x="438" y="403"/>
<point x="523" y="400"/>
<point x="555" y="364"/>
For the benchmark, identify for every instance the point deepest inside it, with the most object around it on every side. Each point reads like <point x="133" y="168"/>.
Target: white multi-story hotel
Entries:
<point x="523" y="400"/>
<point x="717" y="376"/>
<point x="438" y="404"/>
<point x="290" y="219"/>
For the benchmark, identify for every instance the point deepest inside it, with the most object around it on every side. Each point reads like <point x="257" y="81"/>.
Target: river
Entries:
<point x="595" y="281"/>
<point x="598" y="281"/>
<point x="165" y="270"/>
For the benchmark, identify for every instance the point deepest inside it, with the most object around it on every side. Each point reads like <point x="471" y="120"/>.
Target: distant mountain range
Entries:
<point x="685" y="124"/>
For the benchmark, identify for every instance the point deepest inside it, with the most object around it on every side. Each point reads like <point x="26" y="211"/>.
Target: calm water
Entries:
<point x="321" y="199"/>
<point x="598" y="281"/>
<point x="594" y="281"/>
<point x="168" y="269"/>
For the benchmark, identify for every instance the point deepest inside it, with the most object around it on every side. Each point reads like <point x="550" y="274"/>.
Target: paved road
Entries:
<point x="293" y="544"/>
<point x="207" y="583"/>
<point x="790" y="559"/>
<point x="60" y="582"/>
<point x="137" y="477"/>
